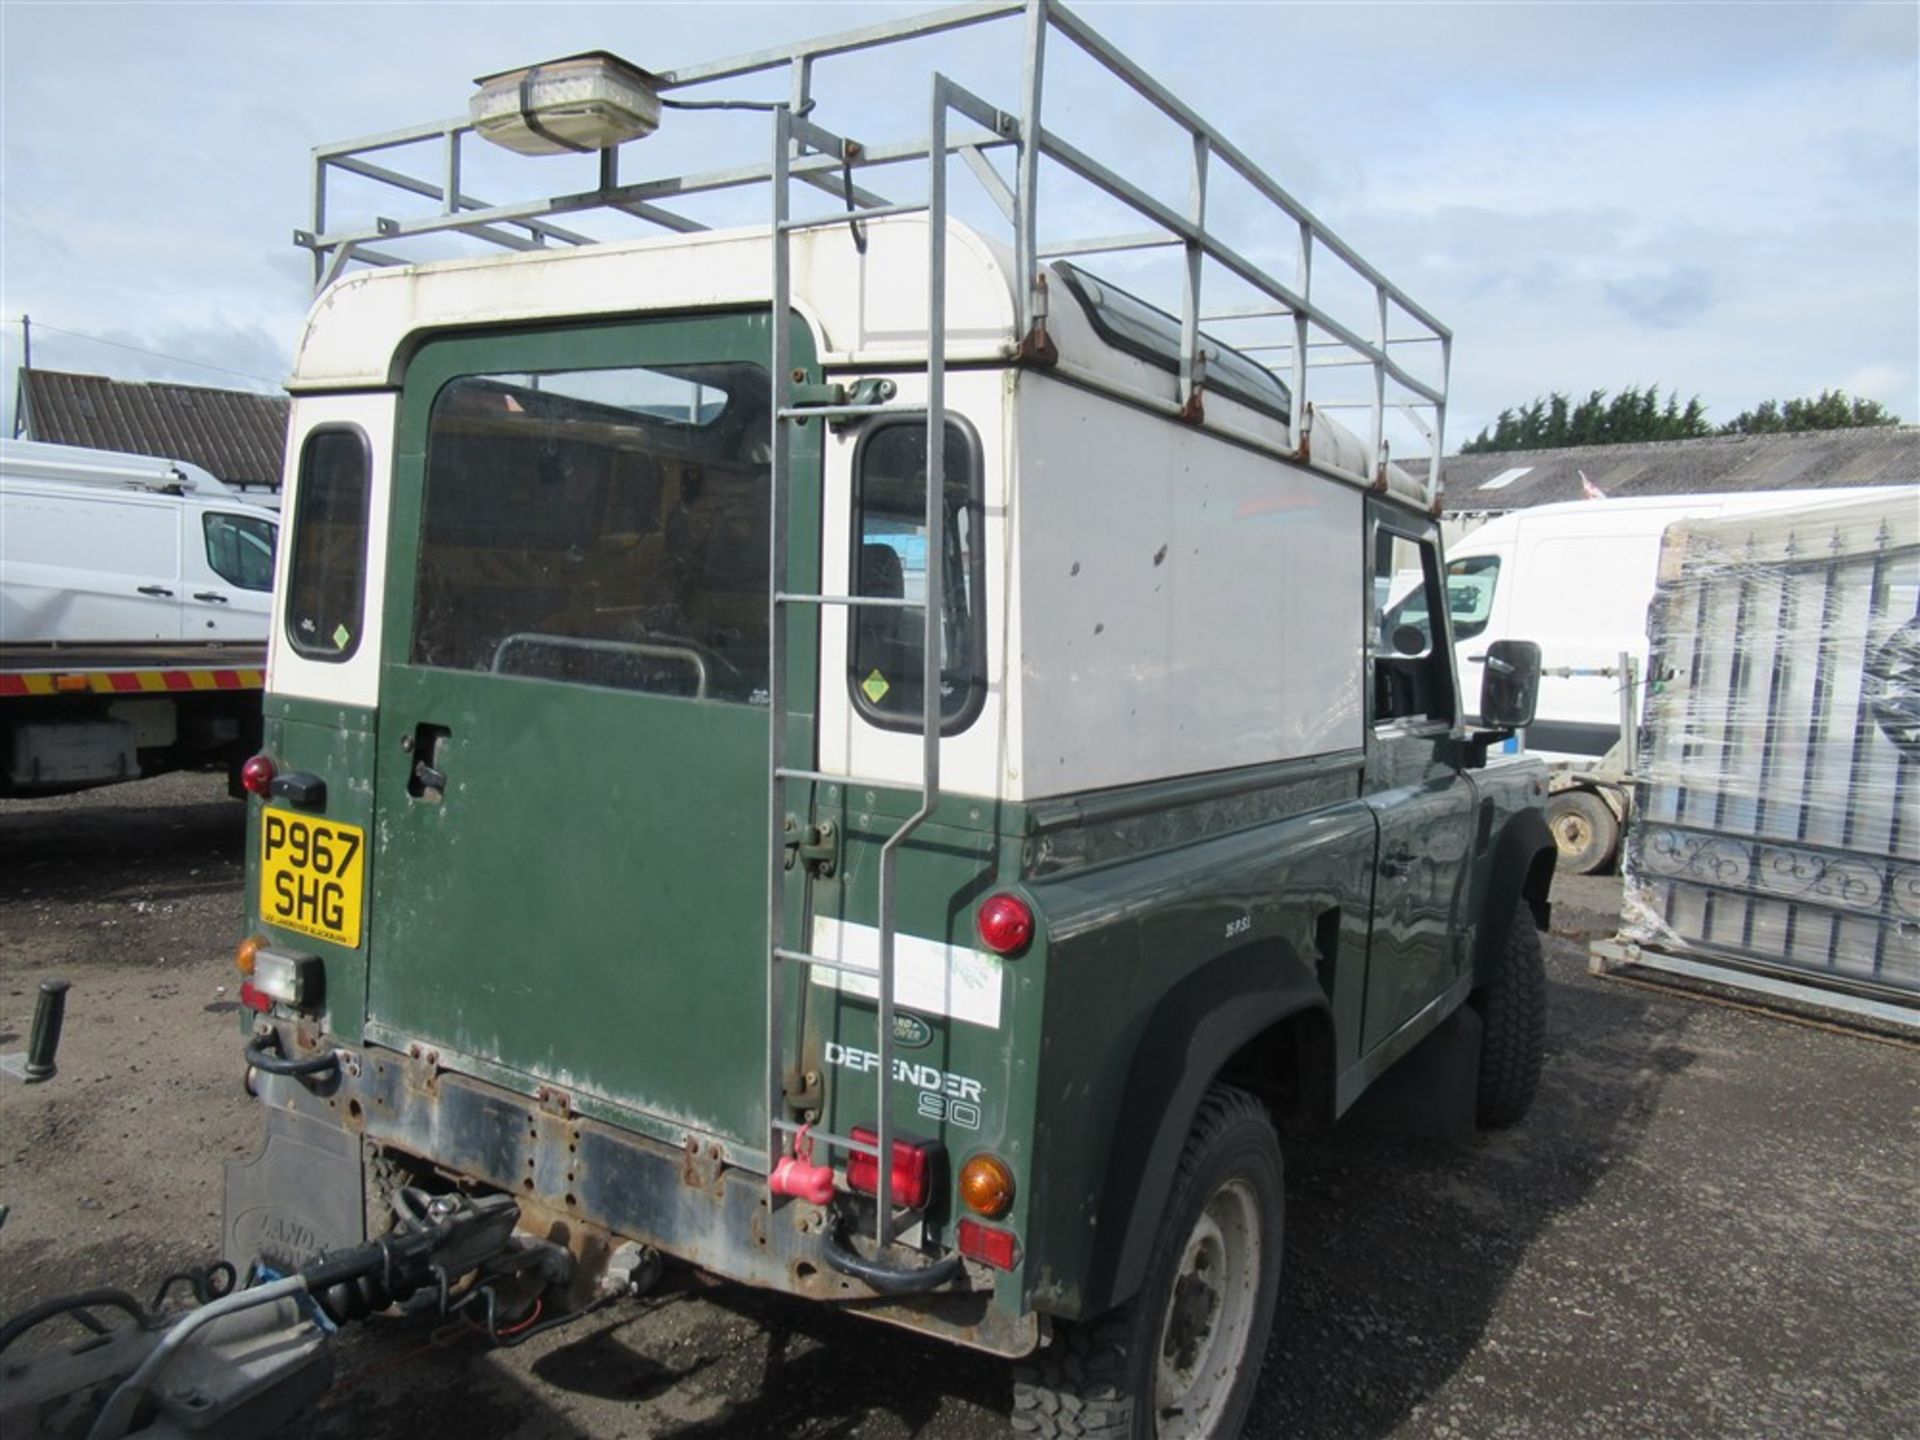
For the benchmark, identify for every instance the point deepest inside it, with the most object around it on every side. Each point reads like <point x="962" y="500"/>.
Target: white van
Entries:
<point x="1577" y="577"/>
<point x="127" y="550"/>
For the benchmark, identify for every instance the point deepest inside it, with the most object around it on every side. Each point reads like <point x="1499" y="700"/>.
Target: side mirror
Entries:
<point x="1510" y="688"/>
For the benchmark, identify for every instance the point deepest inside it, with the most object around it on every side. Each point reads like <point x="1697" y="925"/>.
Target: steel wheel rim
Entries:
<point x="1203" y="1337"/>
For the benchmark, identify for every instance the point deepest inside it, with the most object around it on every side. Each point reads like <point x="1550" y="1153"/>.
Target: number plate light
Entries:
<point x="288" y="979"/>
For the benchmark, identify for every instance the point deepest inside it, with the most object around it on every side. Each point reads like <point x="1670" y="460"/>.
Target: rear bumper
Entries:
<point x="575" y="1176"/>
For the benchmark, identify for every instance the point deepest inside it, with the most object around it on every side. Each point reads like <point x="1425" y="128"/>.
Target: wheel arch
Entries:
<point x="1520" y="873"/>
<point x="1254" y="1017"/>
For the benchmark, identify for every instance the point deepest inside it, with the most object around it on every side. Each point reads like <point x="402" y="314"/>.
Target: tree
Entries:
<point x="1831" y="410"/>
<point x="1553" y="422"/>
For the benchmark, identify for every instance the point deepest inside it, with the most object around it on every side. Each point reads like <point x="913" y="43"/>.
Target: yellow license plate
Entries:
<point x="311" y="875"/>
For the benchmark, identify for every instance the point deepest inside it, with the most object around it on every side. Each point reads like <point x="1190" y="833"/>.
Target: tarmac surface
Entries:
<point x="1709" y="1226"/>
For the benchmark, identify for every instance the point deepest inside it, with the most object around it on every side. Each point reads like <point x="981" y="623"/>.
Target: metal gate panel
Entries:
<point x="1776" y="823"/>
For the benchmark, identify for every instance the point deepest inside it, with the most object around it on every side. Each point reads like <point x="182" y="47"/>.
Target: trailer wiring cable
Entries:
<point x="78" y="1305"/>
<point x="208" y="1284"/>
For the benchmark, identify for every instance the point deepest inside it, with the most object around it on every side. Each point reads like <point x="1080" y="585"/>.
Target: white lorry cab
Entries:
<point x="1577" y="579"/>
<point x="100" y="548"/>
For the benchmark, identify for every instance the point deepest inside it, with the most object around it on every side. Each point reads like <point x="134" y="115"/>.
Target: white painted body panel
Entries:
<point x="1577" y="578"/>
<point x="1183" y="604"/>
<point x="355" y="680"/>
<point x="869" y="309"/>
<point x="84" y="563"/>
<point x="930" y="976"/>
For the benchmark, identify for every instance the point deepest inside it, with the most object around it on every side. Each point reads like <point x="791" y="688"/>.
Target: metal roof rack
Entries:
<point x="1363" y="335"/>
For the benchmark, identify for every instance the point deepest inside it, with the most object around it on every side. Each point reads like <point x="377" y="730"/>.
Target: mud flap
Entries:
<point x="1432" y="1093"/>
<point x="299" y="1196"/>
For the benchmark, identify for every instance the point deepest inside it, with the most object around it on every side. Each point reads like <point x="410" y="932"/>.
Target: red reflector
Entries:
<point x="256" y="776"/>
<point x="1005" y="923"/>
<point x="255" y="998"/>
<point x="987" y="1245"/>
<point x="912" y="1169"/>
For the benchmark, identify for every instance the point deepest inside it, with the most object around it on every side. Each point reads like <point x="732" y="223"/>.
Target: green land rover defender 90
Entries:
<point x="850" y="752"/>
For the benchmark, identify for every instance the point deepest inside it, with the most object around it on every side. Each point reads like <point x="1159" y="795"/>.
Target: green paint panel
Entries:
<point x="336" y="743"/>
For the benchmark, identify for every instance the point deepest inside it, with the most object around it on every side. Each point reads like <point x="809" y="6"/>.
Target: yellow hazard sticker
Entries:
<point x="875" y="687"/>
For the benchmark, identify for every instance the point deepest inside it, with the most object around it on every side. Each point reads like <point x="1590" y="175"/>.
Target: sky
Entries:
<point x="1718" y="199"/>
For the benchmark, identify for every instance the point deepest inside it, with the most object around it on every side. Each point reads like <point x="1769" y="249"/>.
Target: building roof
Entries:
<point x="1803" y="460"/>
<point x="237" y="435"/>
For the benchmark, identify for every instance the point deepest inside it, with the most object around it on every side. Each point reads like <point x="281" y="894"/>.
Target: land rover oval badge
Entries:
<point x="910" y="1032"/>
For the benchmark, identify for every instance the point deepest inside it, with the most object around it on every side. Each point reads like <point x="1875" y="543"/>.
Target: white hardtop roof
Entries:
<point x="867" y="309"/>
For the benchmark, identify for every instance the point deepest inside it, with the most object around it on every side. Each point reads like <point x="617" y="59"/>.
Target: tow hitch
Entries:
<point x="244" y="1361"/>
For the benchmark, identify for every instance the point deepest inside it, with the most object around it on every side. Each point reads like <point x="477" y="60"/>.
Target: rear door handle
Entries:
<point x="213" y="595"/>
<point x="156" y="590"/>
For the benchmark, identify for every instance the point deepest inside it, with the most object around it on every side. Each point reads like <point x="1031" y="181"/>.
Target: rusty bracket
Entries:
<point x="555" y="1101"/>
<point x="1036" y="347"/>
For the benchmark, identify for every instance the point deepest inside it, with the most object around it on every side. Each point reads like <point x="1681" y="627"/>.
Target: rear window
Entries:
<point x="600" y="527"/>
<point x="887" y="645"/>
<point x="240" y="549"/>
<point x="327" y="572"/>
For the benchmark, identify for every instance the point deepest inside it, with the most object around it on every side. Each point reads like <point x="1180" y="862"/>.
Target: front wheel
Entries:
<point x="1513" y="1014"/>
<point x="1180" y="1360"/>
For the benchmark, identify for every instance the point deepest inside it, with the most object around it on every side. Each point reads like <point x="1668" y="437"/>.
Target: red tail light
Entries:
<point x="998" y="1248"/>
<point x="1005" y="923"/>
<point x="913" y="1164"/>
<point x="254" y="998"/>
<point x="256" y="776"/>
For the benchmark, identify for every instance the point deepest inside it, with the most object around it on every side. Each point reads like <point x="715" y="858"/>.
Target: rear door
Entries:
<point x="570" y="877"/>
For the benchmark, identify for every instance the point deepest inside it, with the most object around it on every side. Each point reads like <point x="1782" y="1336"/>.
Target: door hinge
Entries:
<point x="815" y="846"/>
<point x="805" y="395"/>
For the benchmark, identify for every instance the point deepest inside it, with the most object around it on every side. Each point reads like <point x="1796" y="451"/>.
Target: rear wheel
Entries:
<point x="1513" y="1014"/>
<point x="1180" y="1360"/>
<point x="1584" y="829"/>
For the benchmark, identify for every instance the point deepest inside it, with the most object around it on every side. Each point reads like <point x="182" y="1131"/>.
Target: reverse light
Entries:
<point x="256" y="776"/>
<point x="986" y="1186"/>
<point x="286" y="978"/>
<point x="998" y="1248"/>
<point x="1005" y="923"/>
<point x="912" y="1179"/>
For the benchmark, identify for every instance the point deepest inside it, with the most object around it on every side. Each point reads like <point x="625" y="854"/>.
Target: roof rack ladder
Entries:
<point x="781" y="772"/>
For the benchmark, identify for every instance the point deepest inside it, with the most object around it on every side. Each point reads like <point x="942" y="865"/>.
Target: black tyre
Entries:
<point x="1584" y="830"/>
<point x="1513" y="1015"/>
<point x="1180" y="1360"/>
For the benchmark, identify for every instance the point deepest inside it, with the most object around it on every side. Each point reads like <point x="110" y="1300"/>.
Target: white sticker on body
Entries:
<point x="928" y="976"/>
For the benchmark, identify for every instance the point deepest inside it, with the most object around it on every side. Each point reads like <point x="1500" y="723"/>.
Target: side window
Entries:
<point x="1412" y="669"/>
<point x="327" y="573"/>
<point x="240" y="549"/>
<point x="886" y="646"/>
<point x="600" y="527"/>
<point x="1470" y="586"/>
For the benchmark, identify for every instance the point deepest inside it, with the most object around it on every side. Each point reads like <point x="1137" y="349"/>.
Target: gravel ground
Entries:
<point x="1707" y="1227"/>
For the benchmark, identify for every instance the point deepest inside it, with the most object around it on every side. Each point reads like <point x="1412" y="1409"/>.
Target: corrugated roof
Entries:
<point x="1808" y="459"/>
<point x="238" y="435"/>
